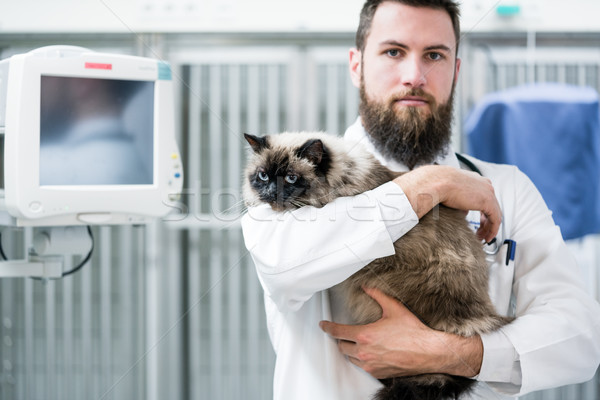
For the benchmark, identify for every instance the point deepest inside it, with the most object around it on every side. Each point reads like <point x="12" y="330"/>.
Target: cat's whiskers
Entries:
<point x="239" y="206"/>
<point x="297" y="203"/>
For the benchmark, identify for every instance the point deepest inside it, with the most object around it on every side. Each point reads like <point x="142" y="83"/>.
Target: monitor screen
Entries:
<point x="96" y="131"/>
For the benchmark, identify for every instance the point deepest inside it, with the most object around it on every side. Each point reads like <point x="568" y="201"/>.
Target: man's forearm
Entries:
<point x="428" y="186"/>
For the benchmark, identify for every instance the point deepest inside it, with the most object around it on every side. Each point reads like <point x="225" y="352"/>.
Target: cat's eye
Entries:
<point x="262" y="175"/>
<point x="291" y="179"/>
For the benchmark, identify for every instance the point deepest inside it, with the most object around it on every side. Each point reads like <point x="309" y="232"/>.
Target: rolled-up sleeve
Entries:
<point x="501" y="366"/>
<point x="301" y="252"/>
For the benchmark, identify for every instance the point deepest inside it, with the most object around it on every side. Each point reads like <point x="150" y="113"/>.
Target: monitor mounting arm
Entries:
<point x="46" y="256"/>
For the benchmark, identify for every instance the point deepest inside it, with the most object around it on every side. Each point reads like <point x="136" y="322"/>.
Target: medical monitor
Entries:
<point x="89" y="138"/>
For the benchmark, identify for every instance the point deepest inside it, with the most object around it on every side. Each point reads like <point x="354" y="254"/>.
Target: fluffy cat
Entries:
<point x="438" y="271"/>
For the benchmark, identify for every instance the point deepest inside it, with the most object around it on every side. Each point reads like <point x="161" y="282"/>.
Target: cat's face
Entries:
<point x="281" y="175"/>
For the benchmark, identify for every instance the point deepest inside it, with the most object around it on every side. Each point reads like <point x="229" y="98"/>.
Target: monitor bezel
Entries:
<point x="32" y="203"/>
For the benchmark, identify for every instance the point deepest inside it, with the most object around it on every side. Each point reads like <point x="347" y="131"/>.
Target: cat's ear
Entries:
<point x="257" y="143"/>
<point x="312" y="150"/>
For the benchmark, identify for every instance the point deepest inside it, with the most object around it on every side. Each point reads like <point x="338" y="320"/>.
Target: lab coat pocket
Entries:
<point x="500" y="279"/>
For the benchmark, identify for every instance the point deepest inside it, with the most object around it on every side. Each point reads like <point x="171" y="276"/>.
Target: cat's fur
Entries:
<point x="439" y="270"/>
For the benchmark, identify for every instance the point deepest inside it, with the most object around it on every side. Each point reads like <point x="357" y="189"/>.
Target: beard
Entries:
<point x="409" y="135"/>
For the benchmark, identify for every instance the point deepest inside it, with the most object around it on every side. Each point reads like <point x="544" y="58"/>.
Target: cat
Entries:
<point x="438" y="271"/>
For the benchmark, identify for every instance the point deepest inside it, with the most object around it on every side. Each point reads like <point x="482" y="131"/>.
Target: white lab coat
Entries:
<point x="554" y="341"/>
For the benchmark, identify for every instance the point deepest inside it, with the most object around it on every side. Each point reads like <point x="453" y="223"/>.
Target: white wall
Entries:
<point x="30" y="16"/>
<point x="534" y="15"/>
<point x="178" y="15"/>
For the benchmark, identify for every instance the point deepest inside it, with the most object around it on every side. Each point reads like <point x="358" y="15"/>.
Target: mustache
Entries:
<point x="413" y="92"/>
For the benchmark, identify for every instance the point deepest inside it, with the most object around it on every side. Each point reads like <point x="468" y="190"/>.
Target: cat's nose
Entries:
<point x="272" y="189"/>
<point x="271" y="193"/>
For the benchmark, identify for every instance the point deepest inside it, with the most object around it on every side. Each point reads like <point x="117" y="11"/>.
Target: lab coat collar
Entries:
<point x="356" y="132"/>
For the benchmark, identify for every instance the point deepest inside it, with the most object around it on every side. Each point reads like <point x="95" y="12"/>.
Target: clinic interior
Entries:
<point x="173" y="309"/>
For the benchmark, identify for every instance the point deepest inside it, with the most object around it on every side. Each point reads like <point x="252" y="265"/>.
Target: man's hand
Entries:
<point x="430" y="185"/>
<point x="399" y="344"/>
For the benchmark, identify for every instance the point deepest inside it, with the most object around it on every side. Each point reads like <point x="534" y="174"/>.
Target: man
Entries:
<point x="406" y="66"/>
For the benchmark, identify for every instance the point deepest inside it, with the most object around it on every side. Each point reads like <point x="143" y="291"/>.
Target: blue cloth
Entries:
<point x="552" y="133"/>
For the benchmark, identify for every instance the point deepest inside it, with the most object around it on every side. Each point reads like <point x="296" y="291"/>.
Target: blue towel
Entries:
<point x="552" y="133"/>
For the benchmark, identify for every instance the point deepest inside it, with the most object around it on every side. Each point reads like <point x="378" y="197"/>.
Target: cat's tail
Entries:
<point x="404" y="389"/>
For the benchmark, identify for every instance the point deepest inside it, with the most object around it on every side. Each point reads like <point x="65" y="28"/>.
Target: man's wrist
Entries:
<point x="423" y="188"/>
<point x="459" y="355"/>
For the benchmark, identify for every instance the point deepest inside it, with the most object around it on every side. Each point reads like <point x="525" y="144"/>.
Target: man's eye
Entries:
<point x="435" y="56"/>
<point x="263" y="176"/>
<point x="393" y="53"/>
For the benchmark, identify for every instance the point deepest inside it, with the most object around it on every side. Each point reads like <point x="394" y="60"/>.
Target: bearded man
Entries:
<point x="406" y="66"/>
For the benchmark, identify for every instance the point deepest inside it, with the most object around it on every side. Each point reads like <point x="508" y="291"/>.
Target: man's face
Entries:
<point x="407" y="72"/>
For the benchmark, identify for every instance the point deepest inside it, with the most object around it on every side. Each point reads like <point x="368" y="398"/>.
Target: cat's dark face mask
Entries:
<point x="276" y="191"/>
<point x="407" y="136"/>
<point x="276" y="181"/>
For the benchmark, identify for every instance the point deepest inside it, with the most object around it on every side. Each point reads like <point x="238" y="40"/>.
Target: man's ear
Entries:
<point x="355" y="66"/>
<point x="257" y="143"/>
<point x="457" y="70"/>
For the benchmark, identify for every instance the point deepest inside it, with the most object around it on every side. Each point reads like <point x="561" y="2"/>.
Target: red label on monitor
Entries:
<point x="90" y="65"/>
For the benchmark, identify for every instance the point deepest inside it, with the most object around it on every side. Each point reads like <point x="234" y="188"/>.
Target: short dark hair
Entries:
<point x="370" y="6"/>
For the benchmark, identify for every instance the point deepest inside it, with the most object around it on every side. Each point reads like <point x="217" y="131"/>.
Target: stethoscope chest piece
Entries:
<point x="491" y="248"/>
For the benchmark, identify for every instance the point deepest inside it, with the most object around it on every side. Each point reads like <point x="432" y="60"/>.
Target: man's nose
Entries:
<point x="414" y="73"/>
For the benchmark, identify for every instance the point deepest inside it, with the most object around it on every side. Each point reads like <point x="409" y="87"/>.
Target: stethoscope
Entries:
<point x="493" y="247"/>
